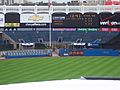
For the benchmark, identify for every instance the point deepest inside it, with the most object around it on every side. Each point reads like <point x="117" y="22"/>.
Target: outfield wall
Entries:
<point x="88" y="52"/>
<point x="101" y="52"/>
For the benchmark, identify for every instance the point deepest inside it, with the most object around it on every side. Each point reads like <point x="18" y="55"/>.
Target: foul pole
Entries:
<point x="50" y="38"/>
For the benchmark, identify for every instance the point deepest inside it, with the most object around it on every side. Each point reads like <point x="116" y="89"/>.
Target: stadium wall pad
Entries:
<point x="90" y="52"/>
<point x="101" y="52"/>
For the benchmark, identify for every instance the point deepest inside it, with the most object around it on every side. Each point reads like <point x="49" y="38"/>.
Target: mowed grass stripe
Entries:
<point x="101" y="61"/>
<point x="62" y="71"/>
<point x="24" y="61"/>
<point x="78" y="67"/>
<point x="27" y="67"/>
<point x="10" y="76"/>
<point x="98" y="70"/>
<point x="14" y="77"/>
<point x="18" y="68"/>
<point x="40" y="69"/>
<point x="40" y="75"/>
<point x="48" y="71"/>
<point x="113" y="68"/>
<point x="92" y="68"/>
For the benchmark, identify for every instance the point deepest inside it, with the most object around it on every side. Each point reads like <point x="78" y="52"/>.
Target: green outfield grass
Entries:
<point x="53" y="68"/>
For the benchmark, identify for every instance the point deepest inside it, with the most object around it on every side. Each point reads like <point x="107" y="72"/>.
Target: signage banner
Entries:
<point x="76" y="53"/>
<point x="34" y="18"/>
<point x="87" y="29"/>
<point x="12" y="24"/>
<point x="41" y="25"/>
<point x="110" y="29"/>
<point x="109" y="20"/>
<point x="64" y="29"/>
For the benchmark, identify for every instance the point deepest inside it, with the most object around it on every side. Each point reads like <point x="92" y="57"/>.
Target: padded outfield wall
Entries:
<point x="88" y="52"/>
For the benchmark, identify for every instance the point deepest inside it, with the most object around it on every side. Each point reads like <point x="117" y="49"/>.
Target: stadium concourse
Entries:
<point x="75" y="84"/>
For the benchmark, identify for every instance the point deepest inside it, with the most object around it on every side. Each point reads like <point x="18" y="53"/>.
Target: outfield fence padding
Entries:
<point x="89" y="52"/>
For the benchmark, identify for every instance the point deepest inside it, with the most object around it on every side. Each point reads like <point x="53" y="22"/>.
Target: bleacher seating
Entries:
<point x="28" y="36"/>
<point x="1" y="42"/>
<point x="67" y="36"/>
<point x="6" y="47"/>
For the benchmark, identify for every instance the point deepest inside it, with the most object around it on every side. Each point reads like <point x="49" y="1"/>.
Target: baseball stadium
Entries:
<point x="49" y="41"/>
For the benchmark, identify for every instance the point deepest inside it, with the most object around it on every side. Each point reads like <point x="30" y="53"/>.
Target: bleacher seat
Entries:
<point x="67" y="36"/>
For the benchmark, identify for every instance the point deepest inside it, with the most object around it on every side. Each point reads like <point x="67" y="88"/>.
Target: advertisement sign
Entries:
<point x="115" y="29"/>
<point x="76" y="53"/>
<point x="110" y="29"/>
<point x="87" y="29"/>
<point x="41" y="25"/>
<point x="93" y="45"/>
<point x="109" y="20"/>
<point x="58" y="20"/>
<point x="34" y="18"/>
<point x="12" y="24"/>
<point x="64" y="29"/>
<point x="12" y="20"/>
<point x="2" y="20"/>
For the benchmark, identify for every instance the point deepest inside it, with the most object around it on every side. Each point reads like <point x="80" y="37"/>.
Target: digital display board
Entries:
<point x="58" y="20"/>
<point x="82" y="20"/>
<point x="109" y="20"/>
<point x="12" y="20"/>
<point x="75" y="20"/>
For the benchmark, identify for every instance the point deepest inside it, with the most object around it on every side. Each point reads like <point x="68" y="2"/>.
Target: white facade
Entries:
<point x="2" y="1"/>
<point x="65" y="9"/>
<point x="20" y="1"/>
<point x="9" y="2"/>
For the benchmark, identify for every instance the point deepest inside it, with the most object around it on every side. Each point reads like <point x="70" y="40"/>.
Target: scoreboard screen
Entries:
<point x="58" y="20"/>
<point x="75" y="20"/>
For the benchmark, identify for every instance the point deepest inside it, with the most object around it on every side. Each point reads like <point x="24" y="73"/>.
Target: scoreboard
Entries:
<point x="86" y="20"/>
<point x="82" y="20"/>
<point x="75" y="20"/>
